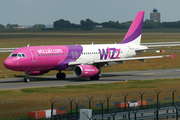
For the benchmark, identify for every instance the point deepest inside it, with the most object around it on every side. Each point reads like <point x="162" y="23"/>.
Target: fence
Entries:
<point x="120" y="105"/>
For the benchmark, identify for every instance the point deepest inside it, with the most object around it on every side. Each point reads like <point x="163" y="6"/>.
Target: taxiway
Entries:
<point x="51" y="81"/>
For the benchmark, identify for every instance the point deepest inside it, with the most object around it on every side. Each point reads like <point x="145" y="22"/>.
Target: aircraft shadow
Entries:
<point x="103" y="77"/>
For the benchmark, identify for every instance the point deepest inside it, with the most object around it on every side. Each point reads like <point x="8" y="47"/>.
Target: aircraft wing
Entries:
<point x="118" y="60"/>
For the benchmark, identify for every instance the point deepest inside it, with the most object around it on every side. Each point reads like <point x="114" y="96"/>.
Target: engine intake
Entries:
<point x="86" y="70"/>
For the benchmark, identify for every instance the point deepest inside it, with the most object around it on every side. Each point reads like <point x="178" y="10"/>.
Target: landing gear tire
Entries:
<point x="60" y="76"/>
<point x="96" y="77"/>
<point x="26" y="80"/>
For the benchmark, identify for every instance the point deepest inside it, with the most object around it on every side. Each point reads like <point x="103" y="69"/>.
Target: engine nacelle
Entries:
<point x="37" y="72"/>
<point x="86" y="70"/>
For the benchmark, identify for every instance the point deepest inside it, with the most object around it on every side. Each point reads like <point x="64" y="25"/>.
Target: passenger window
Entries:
<point x="76" y="53"/>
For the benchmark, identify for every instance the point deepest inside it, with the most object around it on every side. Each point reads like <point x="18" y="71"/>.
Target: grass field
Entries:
<point x="19" y="102"/>
<point x="10" y="39"/>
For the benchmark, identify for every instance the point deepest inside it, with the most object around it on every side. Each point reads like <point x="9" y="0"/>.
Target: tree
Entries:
<point x="2" y="26"/>
<point x="62" y="23"/>
<point x="39" y="26"/>
<point x="151" y="25"/>
<point x="87" y="23"/>
<point x="112" y="24"/>
<point x="11" y="25"/>
<point x="171" y="24"/>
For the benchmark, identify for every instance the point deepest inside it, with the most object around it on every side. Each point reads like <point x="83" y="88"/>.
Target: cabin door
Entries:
<point x="74" y="54"/>
<point x="34" y="55"/>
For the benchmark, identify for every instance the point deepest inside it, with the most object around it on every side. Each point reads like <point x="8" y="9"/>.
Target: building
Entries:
<point x="155" y="16"/>
<point x="20" y="27"/>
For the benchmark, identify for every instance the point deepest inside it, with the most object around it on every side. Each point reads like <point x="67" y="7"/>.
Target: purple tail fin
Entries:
<point x="133" y="35"/>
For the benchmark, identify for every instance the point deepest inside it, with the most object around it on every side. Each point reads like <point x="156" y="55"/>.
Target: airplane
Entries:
<point x="85" y="60"/>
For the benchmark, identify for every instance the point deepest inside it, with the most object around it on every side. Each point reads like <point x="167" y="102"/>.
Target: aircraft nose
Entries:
<point x="8" y="63"/>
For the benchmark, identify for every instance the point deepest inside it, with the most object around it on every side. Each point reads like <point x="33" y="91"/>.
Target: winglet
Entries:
<point x="172" y="55"/>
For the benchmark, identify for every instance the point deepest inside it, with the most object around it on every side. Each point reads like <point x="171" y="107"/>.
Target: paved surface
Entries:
<point x="46" y="81"/>
<point x="7" y="49"/>
<point x="158" y="44"/>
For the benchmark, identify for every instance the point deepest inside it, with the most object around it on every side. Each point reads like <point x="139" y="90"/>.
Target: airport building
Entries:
<point x="155" y="16"/>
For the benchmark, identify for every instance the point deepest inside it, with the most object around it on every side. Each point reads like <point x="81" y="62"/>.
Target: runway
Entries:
<point x="159" y="44"/>
<point x="51" y="81"/>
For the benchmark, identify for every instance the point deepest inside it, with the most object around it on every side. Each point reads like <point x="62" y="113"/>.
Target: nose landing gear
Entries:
<point x="26" y="79"/>
<point x="59" y="76"/>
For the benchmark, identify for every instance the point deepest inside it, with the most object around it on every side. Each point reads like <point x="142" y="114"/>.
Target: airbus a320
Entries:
<point x="85" y="60"/>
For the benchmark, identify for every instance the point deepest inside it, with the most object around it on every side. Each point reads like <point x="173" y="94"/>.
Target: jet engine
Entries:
<point x="37" y="72"/>
<point x="86" y="70"/>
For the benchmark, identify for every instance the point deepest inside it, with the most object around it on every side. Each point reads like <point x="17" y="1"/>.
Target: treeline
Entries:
<point x="16" y="25"/>
<point x="9" y="26"/>
<point x="89" y="25"/>
<point x="151" y="25"/>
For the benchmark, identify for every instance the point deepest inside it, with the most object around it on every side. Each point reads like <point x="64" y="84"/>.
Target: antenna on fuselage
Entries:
<point x="28" y="45"/>
<point x="92" y="43"/>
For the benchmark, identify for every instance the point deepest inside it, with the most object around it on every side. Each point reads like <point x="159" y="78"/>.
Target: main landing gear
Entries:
<point x="60" y="76"/>
<point x="96" y="77"/>
<point x="26" y="79"/>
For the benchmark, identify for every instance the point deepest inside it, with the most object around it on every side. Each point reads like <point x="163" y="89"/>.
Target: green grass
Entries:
<point x="112" y="86"/>
<point x="10" y="38"/>
<point x="20" y="102"/>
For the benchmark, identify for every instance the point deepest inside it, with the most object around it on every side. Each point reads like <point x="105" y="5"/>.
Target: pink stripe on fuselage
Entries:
<point x="44" y="58"/>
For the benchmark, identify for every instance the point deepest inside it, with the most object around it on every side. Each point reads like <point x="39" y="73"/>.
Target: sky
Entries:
<point x="31" y="12"/>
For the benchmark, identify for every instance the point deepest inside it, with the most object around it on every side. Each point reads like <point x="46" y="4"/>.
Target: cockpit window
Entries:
<point x="17" y="55"/>
<point x="13" y="55"/>
<point x="23" y="55"/>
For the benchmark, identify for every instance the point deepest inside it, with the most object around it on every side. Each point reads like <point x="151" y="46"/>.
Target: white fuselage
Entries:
<point x="108" y="52"/>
